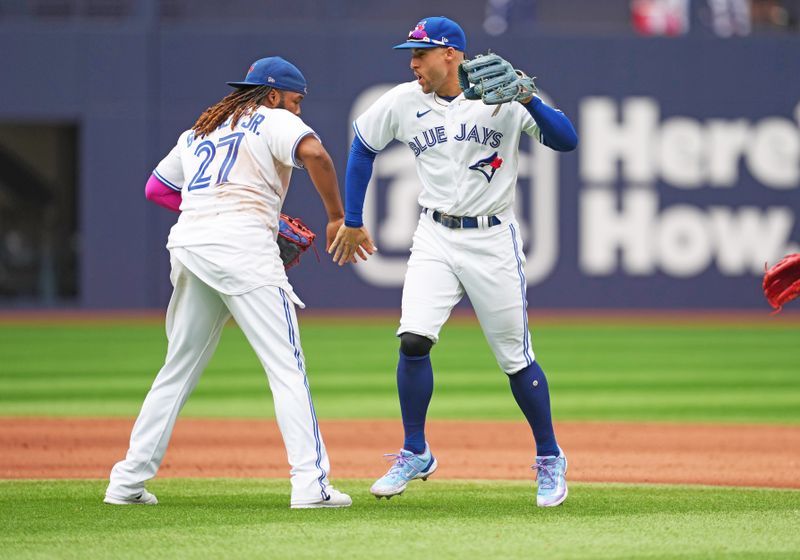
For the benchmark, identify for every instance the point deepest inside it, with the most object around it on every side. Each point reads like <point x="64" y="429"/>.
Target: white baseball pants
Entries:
<point x="486" y="264"/>
<point x="195" y="318"/>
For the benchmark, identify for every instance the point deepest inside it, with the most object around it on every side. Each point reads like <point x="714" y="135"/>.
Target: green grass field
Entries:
<point x="250" y="519"/>
<point x="688" y="372"/>
<point x="632" y="371"/>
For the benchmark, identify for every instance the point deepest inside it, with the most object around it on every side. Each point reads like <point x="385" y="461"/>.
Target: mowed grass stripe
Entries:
<point x="637" y="371"/>
<point x="236" y="518"/>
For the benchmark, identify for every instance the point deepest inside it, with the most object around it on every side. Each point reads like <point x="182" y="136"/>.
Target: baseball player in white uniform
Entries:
<point x="467" y="240"/>
<point x="229" y="175"/>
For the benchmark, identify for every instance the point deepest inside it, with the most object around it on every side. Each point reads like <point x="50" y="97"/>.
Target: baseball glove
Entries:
<point x="782" y="282"/>
<point x="493" y="80"/>
<point x="294" y="239"/>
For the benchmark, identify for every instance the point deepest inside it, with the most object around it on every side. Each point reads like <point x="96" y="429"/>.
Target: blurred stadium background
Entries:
<point x="686" y="181"/>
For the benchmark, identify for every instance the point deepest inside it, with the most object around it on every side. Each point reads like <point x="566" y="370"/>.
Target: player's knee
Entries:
<point x="415" y="345"/>
<point x="512" y="368"/>
<point x="516" y="370"/>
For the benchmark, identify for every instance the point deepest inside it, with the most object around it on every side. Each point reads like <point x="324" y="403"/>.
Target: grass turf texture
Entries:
<point x="617" y="371"/>
<point x="228" y="518"/>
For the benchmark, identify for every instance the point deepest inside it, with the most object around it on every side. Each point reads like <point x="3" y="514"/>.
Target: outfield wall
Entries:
<point x="686" y="180"/>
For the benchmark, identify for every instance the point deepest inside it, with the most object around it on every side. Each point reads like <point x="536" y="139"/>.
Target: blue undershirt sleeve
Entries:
<point x="557" y="131"/>
<point x="356" y="179"/>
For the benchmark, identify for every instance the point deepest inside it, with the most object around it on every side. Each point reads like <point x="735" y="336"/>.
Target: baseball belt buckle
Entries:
<point x="452" y="222"/>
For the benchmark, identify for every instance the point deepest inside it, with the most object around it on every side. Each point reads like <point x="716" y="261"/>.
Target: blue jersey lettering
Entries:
<point x="483" y="136"/>
<point x="430" y="138"/>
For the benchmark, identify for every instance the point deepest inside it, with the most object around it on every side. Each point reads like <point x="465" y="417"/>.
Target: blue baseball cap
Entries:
<point x="434" y="32"/>
<point x="276" y="72"/>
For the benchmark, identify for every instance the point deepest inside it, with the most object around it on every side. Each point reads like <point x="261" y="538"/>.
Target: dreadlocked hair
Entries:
<point x="235" y="104"/>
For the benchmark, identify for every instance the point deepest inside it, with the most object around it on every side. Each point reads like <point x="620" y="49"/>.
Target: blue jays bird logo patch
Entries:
<point x="488" y="166"/>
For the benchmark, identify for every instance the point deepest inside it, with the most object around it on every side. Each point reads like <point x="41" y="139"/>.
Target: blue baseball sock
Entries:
<point x="533" y="397"/>
<point x="415" y="388"/>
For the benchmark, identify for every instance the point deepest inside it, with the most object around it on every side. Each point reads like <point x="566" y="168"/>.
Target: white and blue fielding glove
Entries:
<point x="492" y="79"/>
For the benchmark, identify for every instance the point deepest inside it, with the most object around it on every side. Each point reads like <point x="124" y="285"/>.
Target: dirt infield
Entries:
<point x="598" y="452"/>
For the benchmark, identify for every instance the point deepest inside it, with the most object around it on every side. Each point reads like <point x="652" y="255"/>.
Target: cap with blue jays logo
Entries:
<point x="433" y="32"/>
<point x="276" y="72"/>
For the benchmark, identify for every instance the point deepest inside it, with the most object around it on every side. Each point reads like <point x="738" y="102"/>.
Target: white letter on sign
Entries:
<point x="605" y="231"/>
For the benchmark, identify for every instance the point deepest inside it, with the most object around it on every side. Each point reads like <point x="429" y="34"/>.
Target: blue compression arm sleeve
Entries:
<point x="557" y="132"/>
<point x="356" y="179"/>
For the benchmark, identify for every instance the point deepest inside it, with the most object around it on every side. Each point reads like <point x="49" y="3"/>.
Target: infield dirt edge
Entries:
<point x="620" y="452"/>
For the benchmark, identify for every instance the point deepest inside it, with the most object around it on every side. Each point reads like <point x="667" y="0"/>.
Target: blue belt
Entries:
<point x="459" y="222"/>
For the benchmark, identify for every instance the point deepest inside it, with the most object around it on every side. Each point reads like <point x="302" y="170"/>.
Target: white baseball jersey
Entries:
<point x="233" y="183"/>
<point x="466" y="156"/>
<point x="226" y="263"/>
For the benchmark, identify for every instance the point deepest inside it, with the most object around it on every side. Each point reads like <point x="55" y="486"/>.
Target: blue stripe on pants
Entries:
<point x="298" y="357"/>
<point x="525" y="348"/>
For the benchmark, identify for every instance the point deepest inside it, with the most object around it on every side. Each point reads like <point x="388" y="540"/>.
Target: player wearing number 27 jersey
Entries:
<point x="228" y="176"/>
<point x="467" y="240"/>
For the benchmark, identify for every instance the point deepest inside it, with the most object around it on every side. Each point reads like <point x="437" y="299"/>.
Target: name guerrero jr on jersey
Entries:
<point x="248" y="122"/>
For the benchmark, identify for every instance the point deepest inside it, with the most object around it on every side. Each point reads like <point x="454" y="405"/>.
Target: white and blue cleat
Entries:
<point x="145" y="499"/>
<point x="407" y="467"/>
<point x="333" y="499"/>
<point x="551" y="479"/>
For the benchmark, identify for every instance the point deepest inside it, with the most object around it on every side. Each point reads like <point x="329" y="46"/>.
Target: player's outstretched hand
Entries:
<point x="350" y="242"/>
<point x="330" y="232"/>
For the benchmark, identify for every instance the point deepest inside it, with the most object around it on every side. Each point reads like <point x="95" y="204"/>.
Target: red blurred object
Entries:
<point x="782" y="282"/>
<point x="660" y="17"/>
